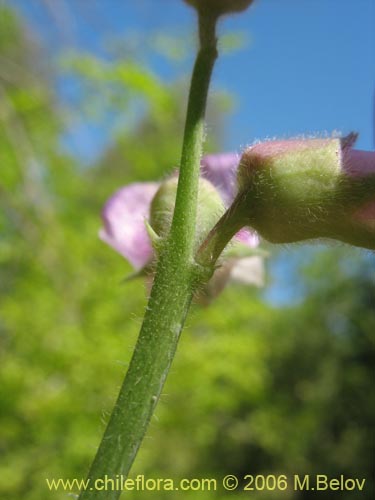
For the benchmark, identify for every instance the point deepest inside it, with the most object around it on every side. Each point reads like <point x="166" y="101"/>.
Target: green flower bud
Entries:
<point x="217" y="8"/>
<point x="210" y="208"/>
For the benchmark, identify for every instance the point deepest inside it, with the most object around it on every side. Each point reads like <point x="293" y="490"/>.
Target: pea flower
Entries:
<point x="301" y="189"/>
<point x="136" y="211"/>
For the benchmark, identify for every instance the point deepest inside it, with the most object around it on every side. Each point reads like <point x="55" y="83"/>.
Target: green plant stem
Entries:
<point x="184" y="217"/>
<point x="169" y="300"/>
<point x="219" y="236"/>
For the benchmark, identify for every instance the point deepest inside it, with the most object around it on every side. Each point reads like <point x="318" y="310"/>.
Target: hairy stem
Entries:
<point x="184" y="217"/>
<point x="220" y="235"/>
<point x="169" y="300"/>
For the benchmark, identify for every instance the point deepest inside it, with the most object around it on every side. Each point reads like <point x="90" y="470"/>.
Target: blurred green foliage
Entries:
<point x="255" y="388"/>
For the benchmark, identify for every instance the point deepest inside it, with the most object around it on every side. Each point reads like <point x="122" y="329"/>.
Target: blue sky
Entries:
<point x="309" y="67"/>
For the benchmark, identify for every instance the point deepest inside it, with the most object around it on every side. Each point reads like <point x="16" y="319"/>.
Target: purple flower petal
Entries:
<point x="124" y="217"/>
<point x="248" y="237"/>
<point x="221" y="171"/>
<point x="358" y="163"/>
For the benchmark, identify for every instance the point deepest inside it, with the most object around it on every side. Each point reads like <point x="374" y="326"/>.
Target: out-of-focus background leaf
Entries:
<point x="260" y="384"/>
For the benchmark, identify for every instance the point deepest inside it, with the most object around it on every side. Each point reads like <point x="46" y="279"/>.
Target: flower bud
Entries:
<point x="307" y="188"/>
<point x="217" y="8"/>
<point x="210" y="208"/>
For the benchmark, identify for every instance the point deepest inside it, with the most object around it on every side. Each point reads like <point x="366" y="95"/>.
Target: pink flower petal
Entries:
<point x="124" y="217"/>
<point x="271" y="149"/>
<point x="361" y="164"/>
<point x="248" y="237"/>
<point x="358" y="163"/>
<point x="221" y="171"/>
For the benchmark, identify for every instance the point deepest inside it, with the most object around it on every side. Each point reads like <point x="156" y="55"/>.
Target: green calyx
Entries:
<point x="210" y="208"/>
<point x="296" y="190"/>
<point x="288" y="196"/>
